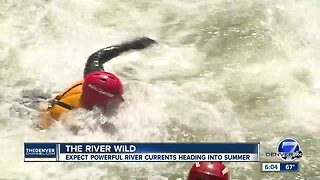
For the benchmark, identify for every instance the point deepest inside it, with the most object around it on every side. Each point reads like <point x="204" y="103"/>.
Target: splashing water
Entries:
<point x="223" y="71"/>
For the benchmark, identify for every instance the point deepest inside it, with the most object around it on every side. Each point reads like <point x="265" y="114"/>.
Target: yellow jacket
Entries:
<point x="62" y="103"/>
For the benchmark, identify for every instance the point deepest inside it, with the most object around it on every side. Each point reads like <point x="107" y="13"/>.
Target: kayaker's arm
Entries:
<point x="45" y="120"/>
<point x="97" y="59"/>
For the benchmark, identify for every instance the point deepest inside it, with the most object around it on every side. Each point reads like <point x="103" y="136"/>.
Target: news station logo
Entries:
<point x="288" y="150"/>
<point x="38" y="150"/>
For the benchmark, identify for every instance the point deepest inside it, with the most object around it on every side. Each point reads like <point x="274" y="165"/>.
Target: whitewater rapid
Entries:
<point x="222" y="71"/>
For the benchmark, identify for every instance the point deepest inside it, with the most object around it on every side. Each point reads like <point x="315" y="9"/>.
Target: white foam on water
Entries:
<point x="178" y="90"/>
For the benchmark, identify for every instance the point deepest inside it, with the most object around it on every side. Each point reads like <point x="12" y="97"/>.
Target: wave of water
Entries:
<point x="223" y="71"/>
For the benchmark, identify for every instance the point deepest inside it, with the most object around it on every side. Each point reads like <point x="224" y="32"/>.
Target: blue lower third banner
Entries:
<point x="142" y="152"/>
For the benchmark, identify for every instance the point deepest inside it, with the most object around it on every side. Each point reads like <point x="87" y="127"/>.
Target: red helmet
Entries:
<point x="100" y="87"/>
<point x="208" y="171"/>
